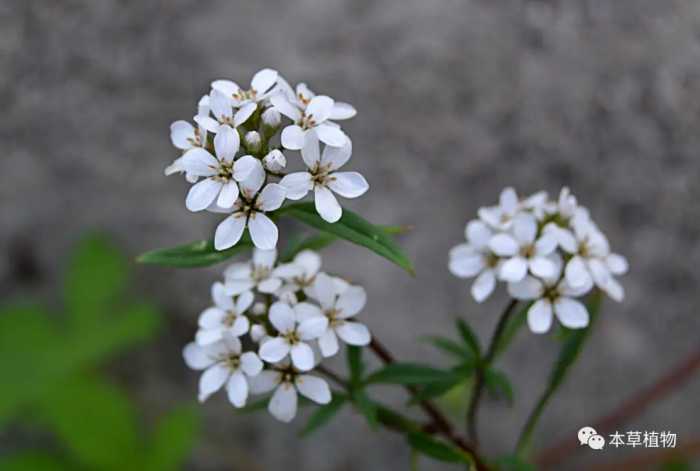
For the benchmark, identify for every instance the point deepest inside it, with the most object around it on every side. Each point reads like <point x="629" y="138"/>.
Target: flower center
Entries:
<point x="260" y="272"/>
<point x="307" y="121"/>
<point x="583" y="249"/>
<point x="291" y="337"/>
<point x="233" y="362"/>
<point x="225" y="171"/>
<point x="527" y="251"/>
<point x="333" y="317"/>
<point x="242" y="95"/>
<point x="491" y="260"/>
<point x="304" y="100"/>
<point x="229" y="318"/>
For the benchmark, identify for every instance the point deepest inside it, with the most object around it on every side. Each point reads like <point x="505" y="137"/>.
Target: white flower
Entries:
<point x="323" y="178"/>
<point x="224" y="364"/>
<point x="337" y="310"/>
<point x="286" y="381"/>
<point x="300" y="273"/>
<point x="219" y="185"/>
<point x="500" y="217"/>
<point x="184" y="136"/>
<point x="274" y="161"/>
<point x="259" y="274"/>
<point x="313" y="119"/>
<point x="293" y="333"/>
<point x="249" y="211"/>
<point x="474" y="258"/>
<point x="303" y="96"/>
<point x="226" y="317"/>
<point x="223" y="110"/>
<point x="523" y="250"/>
<point x="552" y="297"/>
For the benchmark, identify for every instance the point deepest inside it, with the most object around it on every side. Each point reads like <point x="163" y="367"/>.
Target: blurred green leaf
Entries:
<point x="510" y="331"/>
<point x="94" y="420"/>
<point x="355" y="365"/>
<point x="498" y="384"/>
<point x="33" y="461"/>
<point x="408" y="373"/>
<point x="352" y="228"/>
<point x="513" y="463"/>
<point x="196" y="254"/>
<point x="366" y="406"/>
<point x="437" y="449"/>
<point x="324" y="414"/>
<point x="469" y="337"/>
<point x="173" y="440"/>
<point x="450" y="347"/>
<point x="96" y="276"/>
<point x="567" y="356"/>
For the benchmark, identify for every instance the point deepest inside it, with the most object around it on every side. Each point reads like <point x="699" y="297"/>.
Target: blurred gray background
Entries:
<point x="456" y="100"/>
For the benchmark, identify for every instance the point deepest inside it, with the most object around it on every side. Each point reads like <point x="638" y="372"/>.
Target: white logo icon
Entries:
<point x="588" y="436"/>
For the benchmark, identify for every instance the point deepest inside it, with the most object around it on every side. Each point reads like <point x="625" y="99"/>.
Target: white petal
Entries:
<point x="222" y="298"/>
<point x="324" y="291"/>
<point x="211" y="380"/>
<point x="351" y="301"/>
<point x="310" y="261"/>
<point x="297" y="184"/>
<point x="543" y="267"/>
<point x="196" y="357"/>
<point x="226" y="87"/>
<point x="202" y="194"/>
<point x="243" y="113"/>
<point x="271" y="197"/>
<point x="331" y="135"/>
<point x="251" y="364"/>
<point x="237" y="389"/>
<point x="504" y="245"/>
<point x="478" y="234"/>
<point x="335" y="157"/>
<point x="211" y="318"/>
<point x="571" y="313"/>
<point x="221" y="105"/>
<point x="283" y="405"/>
<point x="282" y="104"/>
<point x="326" y="204"/>
<point x="617" y="264"/>
<point x="514" y="269"/>
<point x="320" y="108"/>
<point x="509" y="200"/>
<point x="264" y="258"/>
<point x="264" y="80"/>
<point x="348" y="184"/>
<point x="342" y="111"/>
<point x="264" y="382"/>
<point x="314" y="388"/>
<point x="302" y="357"/>
<point x="270" y="285"/>
<point x="229" y="231"/>
<point x="614" y="289"/>
<point x="274" y="349"/>
<point x="282" y="317"/>
<point x="262" y="230"/>
<point x="228" y="195"/>
<point x="546" y="244"/>
<point x="293" y="137"/>
<point x="240" y="326"/>
<point x="312" y="328"/>
<point x="328" y="343"/>
<point x="247" y="166"/>
<point x="528" y="288"/>
<point x="208" y="337"/>
<point x="539" y="316"/>
<point x="311" y="152"/>
<point x="576" y="272"/>
<point x="181" y="133"/>
<point x="304" y="311"/>
<point x="354" y="333"/>
<point x="198" y="161"/>
<point x="226" y="143"/>
<point x="244" y="301"/>
<point x="208" y="123"/>
<point x="483" y="285"/>
<point x="525" y="228"/>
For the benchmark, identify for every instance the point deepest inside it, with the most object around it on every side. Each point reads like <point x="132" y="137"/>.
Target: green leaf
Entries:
<point x="498" y="384"/>
<point x="409" y="374"/>
<point x="97" y="275"/>
<point x="437" y="449"/>
<point x="352" y="228"/>
<point x="567" y="356"/>
<point x="355" y="365"/>
<point x="173" y="440"/>
<point x="366" y="406"/>
<point x="469" y="337"/>
<point x="95" y="421"/>
<point x="513" y="463"/>
<point x="33" y="461"/>
<point x="450" y="347"/>
<point x="197" y="254"/>
<point x="324" y="414"/>
<point x="510" y="331"/>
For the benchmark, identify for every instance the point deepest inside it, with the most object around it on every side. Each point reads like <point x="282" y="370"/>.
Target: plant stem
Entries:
<point x="439" y="422"/>
<point x="481" y="367"/>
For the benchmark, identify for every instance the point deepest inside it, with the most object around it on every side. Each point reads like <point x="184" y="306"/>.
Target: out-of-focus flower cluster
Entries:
<point x="547" y="251"/>
<point x="271" y="324"/>
<point x="235" y="155"/>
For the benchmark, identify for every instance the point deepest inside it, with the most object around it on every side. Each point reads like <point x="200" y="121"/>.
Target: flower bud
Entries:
<point x="252" y="141"/>
<point x="257" y="333"/>
<point x="259" y="309"/>
<point x="271" y="119"/>
<point x="274" y="161"/>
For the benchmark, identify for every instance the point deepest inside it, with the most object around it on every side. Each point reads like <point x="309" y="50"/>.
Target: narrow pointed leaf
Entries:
<point x="437" y="449"/>
<point x="196" y="254"/>
<point x="352" y="228"/>
<point x="469" y="337"/>
<point x="498" y="384"/>
<point x="450" y="347"/>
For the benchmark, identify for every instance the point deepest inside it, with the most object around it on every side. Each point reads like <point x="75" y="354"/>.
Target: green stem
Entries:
<point x="488" y="358"/>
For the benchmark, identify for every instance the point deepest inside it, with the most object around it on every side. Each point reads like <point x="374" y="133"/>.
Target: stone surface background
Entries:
<point x="456" y="99"/>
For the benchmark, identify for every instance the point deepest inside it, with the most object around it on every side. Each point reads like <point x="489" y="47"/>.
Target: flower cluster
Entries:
<point x="270" y="326"/>
<point x="549" y="252"/>
<point x="233" y="155"/>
